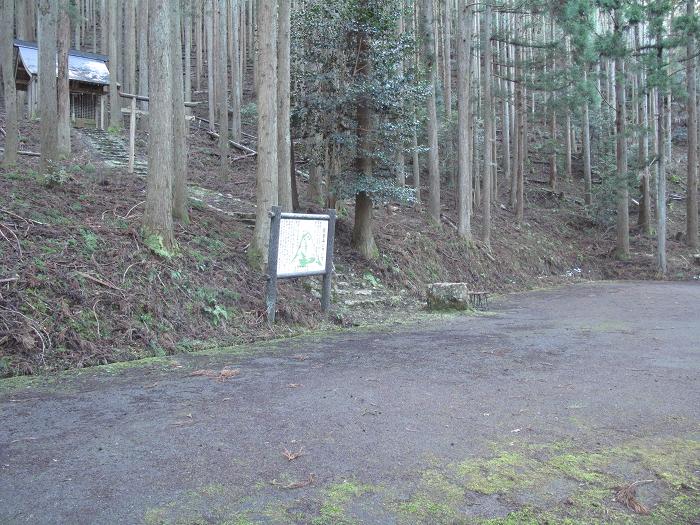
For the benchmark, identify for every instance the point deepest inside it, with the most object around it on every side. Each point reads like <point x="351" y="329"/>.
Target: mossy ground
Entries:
<point x="525" y="484"/>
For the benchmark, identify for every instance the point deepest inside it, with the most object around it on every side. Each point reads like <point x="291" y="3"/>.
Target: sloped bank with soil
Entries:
<point x="79" y="287"/>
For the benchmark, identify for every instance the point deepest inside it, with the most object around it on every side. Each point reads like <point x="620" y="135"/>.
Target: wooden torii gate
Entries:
<point x="132" y="111"/>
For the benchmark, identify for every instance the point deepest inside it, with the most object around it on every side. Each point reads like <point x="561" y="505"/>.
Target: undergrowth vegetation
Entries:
<point x="80" y="286"/>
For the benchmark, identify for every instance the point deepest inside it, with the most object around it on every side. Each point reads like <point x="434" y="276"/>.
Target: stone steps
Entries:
<point x="113" y="150"/>
<point x="349" y="290"/>
<point x="352" y="291"/>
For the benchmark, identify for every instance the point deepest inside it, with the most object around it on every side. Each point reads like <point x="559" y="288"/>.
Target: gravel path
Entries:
<point x="539" y="410"/>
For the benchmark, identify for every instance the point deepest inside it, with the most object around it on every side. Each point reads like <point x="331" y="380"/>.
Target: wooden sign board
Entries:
<point x="301" y="248"/>
<point x="301" y="245"/>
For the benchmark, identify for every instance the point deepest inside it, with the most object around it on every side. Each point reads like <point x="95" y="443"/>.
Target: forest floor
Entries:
<point x="574" y="405"/>
<point x="78" y="287"/>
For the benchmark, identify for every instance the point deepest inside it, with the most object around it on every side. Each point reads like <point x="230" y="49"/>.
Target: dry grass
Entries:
<point x="291" y="456"/>
<point x="222" y="375"/>
<point x="627" y="495"/>
<point x="297" y="484"/>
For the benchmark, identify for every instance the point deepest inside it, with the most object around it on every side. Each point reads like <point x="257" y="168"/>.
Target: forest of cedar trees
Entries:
<point x="470" y="121"/>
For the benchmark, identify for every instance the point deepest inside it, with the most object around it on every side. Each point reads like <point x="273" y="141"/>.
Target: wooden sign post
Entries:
<point x="133" y="112"/>
<point x="301" y="245"/>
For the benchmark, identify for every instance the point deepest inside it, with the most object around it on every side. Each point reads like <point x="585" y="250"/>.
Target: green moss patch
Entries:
<point x="557" y="483"/>
<point x="336" y="498"/>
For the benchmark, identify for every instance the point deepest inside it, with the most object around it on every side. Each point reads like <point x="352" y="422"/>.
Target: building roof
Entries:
<point x="82" y="67"/>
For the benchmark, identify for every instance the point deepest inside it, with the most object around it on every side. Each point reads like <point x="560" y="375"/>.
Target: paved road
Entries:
<point x="537" y="412"/>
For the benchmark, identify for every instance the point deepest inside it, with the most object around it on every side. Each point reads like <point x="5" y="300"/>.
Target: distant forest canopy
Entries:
<point x="389" y="101"/>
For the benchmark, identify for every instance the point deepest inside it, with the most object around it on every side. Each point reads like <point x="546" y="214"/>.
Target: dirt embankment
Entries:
<point x="79" y="287"/>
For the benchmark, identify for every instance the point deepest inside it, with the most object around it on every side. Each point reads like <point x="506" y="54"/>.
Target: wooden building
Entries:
<point x="88" y="82"/>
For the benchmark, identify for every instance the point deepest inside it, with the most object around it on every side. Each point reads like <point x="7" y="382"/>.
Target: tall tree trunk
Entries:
<point x="586" y="132"/>
<point x="553" y="155"/>
<point x="515" y="119"/>
<point x="77" y="25"/>
<point x="645" y="204"/>
<point x="521" y="100"/>
<point x="415" y="163"/>
<point x="209" y="22"/>
<point x="568" y="146"/>
<point x="115" y="114"/>
<point x="569" y="141"/>
<point x="293" y="169"/>
<point x="187" y="25"/>
<point x="668" y="138"/>
<point x="121" y="17"/>
<point x="266" y="191"/>
<point x="179" y="138"/>
<point x="623" y="234"/>
<point x="400" y="168"/>
<point x="362" y="236"/>
<point x="476" y="157"/>
<point x="253" y="29"/>
<point x="447" y="54"/>
<point x="415" y="160"/>
<point x="644" y="216"/>
<point x="94" y="26"/>
<point x="235" y="60"/>
<point x="25" y="20"/>
<point x="22" y="32"/>
<point x="157" y="217"/>
<point x="8" y="81"/>
<point x="222" y="84"/>
<point x="505" y="107"/>
<point x="488" y="125"/>
<point x="494" y="149"/>
<point x="63" y="93"/>
<point x="284" y="188"/>
<point x="661" y="173"/>
<point x="525" y="146"/>
<point x="331" y="171"/>
<point x="464" y="176"/>
<point x="48" y="13"/>
<point x="430" y="65"/>
<point x="316" y="144"/>
<point x="653" y="111"/>
<point x="692" y="182"/>
<point x="243" y="43"/>
<point x="143" y="56"/>
<point x="104" y="28"/>
<point x="198" y="42"/>
<point x="129" y="84"/>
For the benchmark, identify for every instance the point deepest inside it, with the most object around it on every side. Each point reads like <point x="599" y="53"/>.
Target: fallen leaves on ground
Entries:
<point x="293" y="455"/>
<point x="222" y="375"/>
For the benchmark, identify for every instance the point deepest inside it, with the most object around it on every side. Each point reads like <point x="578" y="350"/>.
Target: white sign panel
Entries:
<point x="302" y="246"/>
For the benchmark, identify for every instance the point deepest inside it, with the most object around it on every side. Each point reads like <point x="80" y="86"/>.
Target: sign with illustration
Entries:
<point x="302" y="247"/>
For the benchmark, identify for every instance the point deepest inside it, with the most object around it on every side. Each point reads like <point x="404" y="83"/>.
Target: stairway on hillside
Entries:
<point x="113" y="150"/>
<point x="354" y="293"/>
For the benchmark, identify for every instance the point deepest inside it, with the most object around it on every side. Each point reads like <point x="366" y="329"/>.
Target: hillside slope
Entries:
<point x="78" y="287"/>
